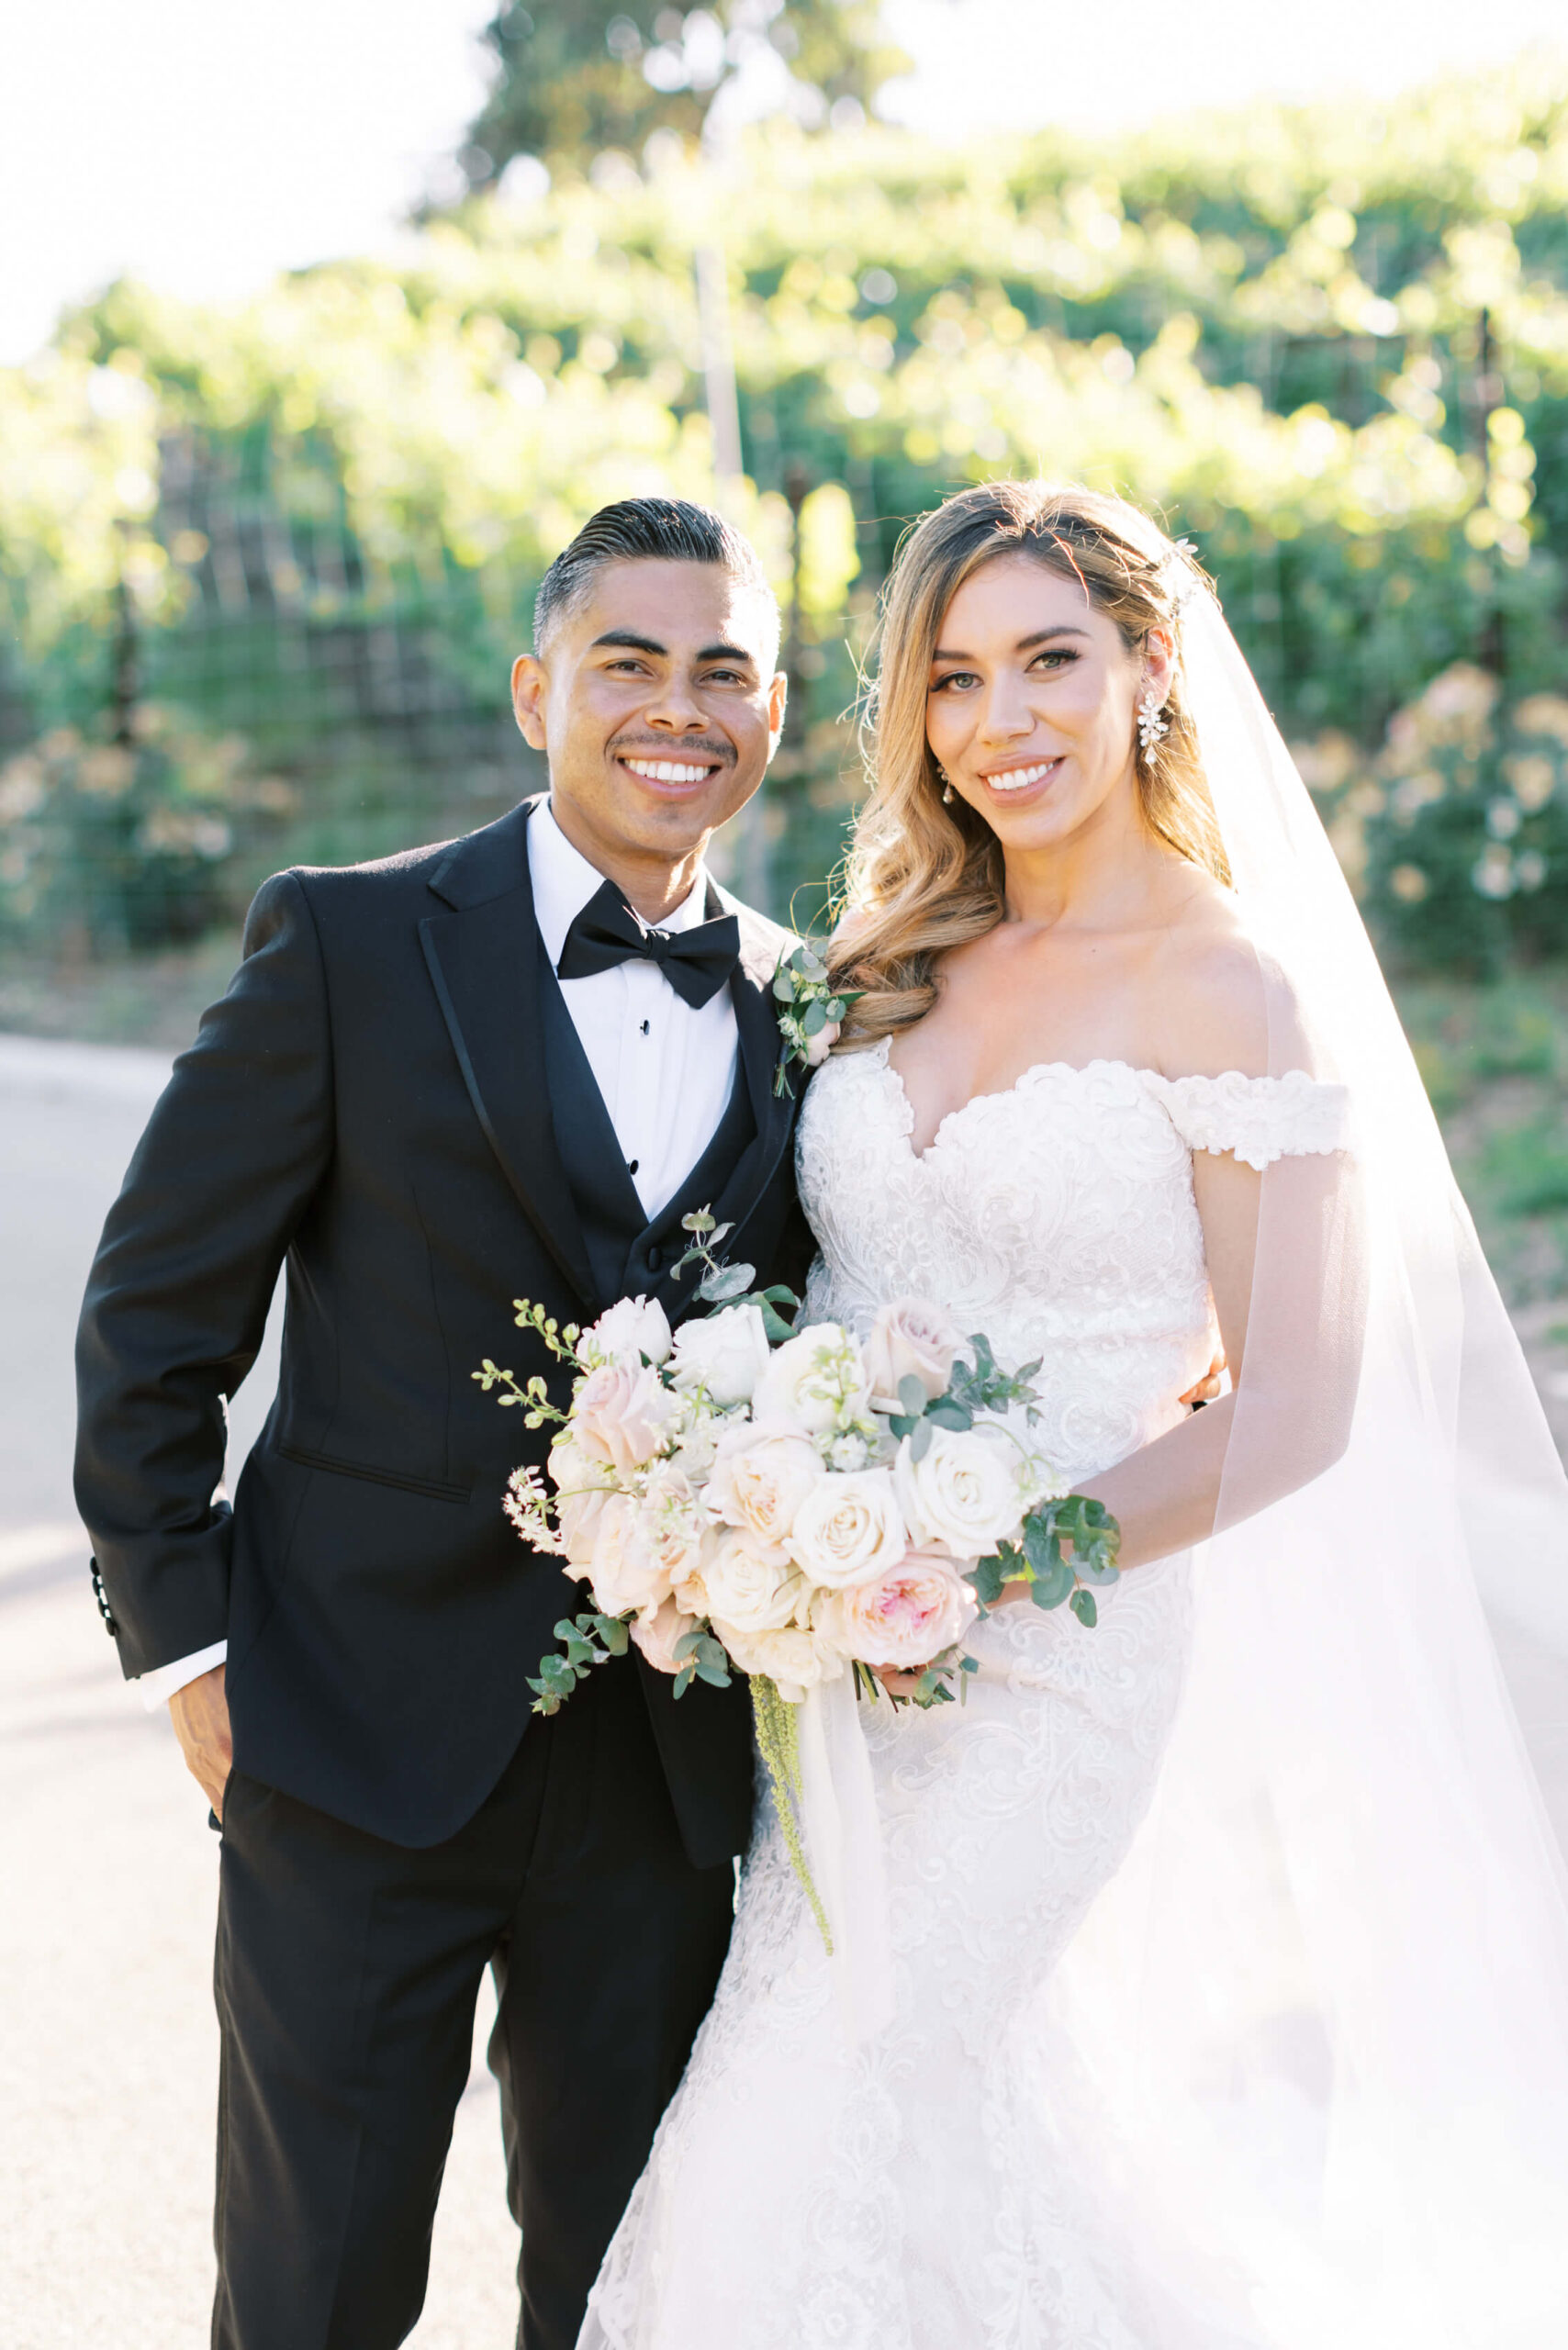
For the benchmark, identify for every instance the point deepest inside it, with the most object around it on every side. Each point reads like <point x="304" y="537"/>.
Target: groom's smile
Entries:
<point x="658" y="702"/>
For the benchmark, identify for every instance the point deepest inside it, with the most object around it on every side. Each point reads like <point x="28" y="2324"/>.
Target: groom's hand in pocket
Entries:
<point x="200" y="1715"/>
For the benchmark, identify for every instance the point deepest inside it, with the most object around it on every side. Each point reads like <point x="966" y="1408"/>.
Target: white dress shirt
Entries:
<point x="665" y="1068"/>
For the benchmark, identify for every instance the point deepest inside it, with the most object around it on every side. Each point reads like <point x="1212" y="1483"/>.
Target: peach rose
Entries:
<point x="658" y="1631"/>
<point x="582" y="1488"/>
<point x="908" y="1339"/>
<point x="907" y="1615"/>
<point x="622" y="1414"/>
<point x="760" y="1476"/>
<point x="625" y="1570"/>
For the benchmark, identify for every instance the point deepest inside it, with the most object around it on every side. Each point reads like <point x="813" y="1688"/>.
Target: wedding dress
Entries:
<point x="942" y="2185"/>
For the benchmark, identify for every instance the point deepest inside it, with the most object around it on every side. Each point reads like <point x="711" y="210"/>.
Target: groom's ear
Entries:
<point x="529" y="687"/>
<point x="778" y="695"/>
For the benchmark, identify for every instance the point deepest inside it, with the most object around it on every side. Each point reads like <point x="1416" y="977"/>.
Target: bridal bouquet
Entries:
<point x="792" y="1503"/>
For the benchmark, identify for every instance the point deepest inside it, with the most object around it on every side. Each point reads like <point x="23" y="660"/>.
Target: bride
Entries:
<point x="1227" y="1996"/>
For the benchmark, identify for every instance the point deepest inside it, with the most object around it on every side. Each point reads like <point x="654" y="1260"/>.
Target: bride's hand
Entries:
<point x="896" y="1683"/>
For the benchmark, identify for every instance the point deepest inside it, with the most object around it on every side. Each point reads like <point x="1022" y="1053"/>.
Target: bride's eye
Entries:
<point x="1057" y="656"/>
<point x="954" y="677"/>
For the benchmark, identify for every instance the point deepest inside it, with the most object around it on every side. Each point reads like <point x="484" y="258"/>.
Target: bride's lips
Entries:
<point x="670" y="779"/>
<point x="1023" y="782"/>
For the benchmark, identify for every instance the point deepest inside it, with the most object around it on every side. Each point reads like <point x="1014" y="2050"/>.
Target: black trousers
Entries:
<point x="347" y="1973"/>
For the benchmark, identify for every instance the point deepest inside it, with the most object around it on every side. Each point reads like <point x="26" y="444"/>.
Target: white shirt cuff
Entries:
<point x="158" y="1687"/>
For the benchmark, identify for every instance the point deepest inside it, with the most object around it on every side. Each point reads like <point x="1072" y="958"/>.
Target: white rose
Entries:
<point x="625" y="1570"/>
<point x="582" y="1487"/>
<point x="965" y="1496"/>
<point x="818" y="1046"/>
<point x="632" y="1331"/>
<point x="908" y="1339"/>
<point x="796" y="1660"/>
<point x="813" y="1381"/>
<point x="848" y="1528"/>
<point x="750" y="1585"/>
<point x="760" y="1476"/>
<point x="724" y="1353"/>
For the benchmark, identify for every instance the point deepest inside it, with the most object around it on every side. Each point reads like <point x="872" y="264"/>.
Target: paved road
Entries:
<point x="107" y="2045"/>
<point x="107" y="1869"/>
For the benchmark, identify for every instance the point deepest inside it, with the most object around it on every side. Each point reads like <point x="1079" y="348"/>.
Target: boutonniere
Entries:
<point x="811" y="1012"/>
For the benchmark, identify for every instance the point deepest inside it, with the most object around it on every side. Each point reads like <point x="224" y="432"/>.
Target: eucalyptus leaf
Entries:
<point x="1096" y="1569"/>
<point x="784" y="988"/>
<point x="950" y="1412"/>
<point x="1051" y="1588"/>
<point x="722" y="1284"/>
<point x="1083" y="1607"/>
<point x="988" y="1575"/>
<point x="912" y="1396"/>
<point x="815" y="1019"/>
<point x="920" y="1439"/>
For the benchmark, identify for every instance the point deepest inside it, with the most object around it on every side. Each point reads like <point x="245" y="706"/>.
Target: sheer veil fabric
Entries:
<point x="1325" y="2001"/>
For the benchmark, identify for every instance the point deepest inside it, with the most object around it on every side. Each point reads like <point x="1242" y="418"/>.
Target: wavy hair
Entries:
<point x="923" y="877"/>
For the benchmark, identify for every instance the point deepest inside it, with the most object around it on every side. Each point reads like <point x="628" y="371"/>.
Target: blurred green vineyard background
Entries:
<point x="264" y="569"/>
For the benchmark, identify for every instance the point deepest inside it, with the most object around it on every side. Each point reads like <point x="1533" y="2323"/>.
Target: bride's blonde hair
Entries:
<point x="922" y="877"/>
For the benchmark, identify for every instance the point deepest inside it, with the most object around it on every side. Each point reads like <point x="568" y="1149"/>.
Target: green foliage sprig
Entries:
<point x="809" y="1007"/>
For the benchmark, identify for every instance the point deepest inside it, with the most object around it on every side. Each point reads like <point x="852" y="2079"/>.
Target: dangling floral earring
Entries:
<point x="946" y="787"/>
<point x="1152" y="727"/>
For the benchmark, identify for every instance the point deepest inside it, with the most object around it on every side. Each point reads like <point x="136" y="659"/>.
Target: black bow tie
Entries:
<point x="695" y="962"/>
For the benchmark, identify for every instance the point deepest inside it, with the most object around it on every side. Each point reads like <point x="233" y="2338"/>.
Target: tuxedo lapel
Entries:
<point x="483" y="958"/>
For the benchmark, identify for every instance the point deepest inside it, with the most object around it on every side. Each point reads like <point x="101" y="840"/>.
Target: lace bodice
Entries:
<point x="1059" y="1217"/>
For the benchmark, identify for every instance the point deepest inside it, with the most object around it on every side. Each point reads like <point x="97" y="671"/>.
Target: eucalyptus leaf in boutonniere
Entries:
<point x="810" y="1011"/>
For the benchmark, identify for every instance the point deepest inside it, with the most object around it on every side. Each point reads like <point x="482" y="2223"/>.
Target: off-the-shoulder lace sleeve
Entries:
<point x="1259" y="1118"/>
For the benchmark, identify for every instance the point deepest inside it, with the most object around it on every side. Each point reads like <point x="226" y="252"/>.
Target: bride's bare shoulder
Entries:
<point x="1213" y="998"/>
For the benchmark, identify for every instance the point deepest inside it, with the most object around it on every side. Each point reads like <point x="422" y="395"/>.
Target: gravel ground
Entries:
<point x="108" y="2044"/>
<point x="108" y="2050"/>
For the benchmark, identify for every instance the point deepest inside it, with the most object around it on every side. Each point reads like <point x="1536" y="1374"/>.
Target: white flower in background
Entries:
<point x="724" y="1353"/>
<point x="966" y="1495"/>
<point x="904" y="1617"/>
<point x="582" y="1487"/>
<point x="796" y="1660"/>
<point x="753" y="1587"/>
<point x="625" y="1572"/>
<point x="675" y="1523"/>
<point x="909" y="1339"/>
<point x="760" y="1476"/>
<point x="622" y="1416"/>
<point x="848" y="1528"/>
<point x="856" y="1448"/>
<point x="633" y="1330"/>
<point x="814" y="1382"/>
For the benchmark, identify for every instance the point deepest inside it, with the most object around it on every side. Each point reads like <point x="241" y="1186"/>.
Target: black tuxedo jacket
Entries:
<point x="372" y="1100"/>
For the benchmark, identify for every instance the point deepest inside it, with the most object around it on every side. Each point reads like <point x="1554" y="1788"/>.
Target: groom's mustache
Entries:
<point x="664" y="746"/>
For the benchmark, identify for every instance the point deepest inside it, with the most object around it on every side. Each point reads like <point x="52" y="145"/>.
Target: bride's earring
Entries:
<point x="1152" y="727"/>
<point x="946" y="787"/>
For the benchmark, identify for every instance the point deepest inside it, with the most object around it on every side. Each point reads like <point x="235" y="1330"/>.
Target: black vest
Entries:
<point x="628" y="1254"/>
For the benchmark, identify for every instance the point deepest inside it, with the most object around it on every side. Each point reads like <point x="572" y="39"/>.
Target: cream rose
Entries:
<point x="905" y="1616"/>
<point x="813" y="1381"/>
<point x="658" y="1632"/>
<point x="752" y="1585"/>
<point x="796" y="1660"/>
<point x="908" y="1339"/>
<point x="965" y="1496"/>
<point x="582" y="1488"/>
<point x="634" y="1329"/>
<point x="848" y="1528"/>
<point x="625" y="1572"/>
<point x="623" y="1415"/>
<point x="724" y="1353"/>
<point x="760" y="1476"/>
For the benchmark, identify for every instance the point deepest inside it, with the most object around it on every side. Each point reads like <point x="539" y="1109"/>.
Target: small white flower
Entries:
<point x="634" y="1329"/>
<point x="814" y="1382"/>
<point x="725" y="1353"/>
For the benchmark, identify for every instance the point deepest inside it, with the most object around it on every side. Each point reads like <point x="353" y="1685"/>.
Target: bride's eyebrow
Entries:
<point x="1024" y="643"/>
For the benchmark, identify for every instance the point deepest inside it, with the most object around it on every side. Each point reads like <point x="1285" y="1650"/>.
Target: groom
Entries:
<point x="505" y="1067"/>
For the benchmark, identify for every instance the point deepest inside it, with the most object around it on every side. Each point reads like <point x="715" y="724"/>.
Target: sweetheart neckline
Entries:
<point x="1003" y="1092"/>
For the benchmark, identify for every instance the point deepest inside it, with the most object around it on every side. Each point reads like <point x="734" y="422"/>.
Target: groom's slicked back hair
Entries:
<point x="646" y="530"/>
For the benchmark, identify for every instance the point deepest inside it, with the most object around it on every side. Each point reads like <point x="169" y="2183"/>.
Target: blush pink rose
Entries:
<point x="905" y="1617"/>
<point x="622" y="1414"/>
<point x="625" y="1570"/>
<point x="657" y="1632"/>
<point x="907" y="1338"/>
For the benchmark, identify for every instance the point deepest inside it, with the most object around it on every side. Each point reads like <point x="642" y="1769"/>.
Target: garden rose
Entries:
<point x="818" y="1047"/>
<point x="966" y="1497"/>
<point x="848" y="1528"/>
<point x="752" y="1585"/>
<point x="623" y="1415"/>
<point x="633" y="1328"/>
<point x="760" y="1477"/>
<point x="813" y="1381"/>
<point x="905" y="1616"/>
<point x="582" y="1488"/>
<point x="725" y="1353"/>
<point x="908" y="1339"/>
<point x="796" y="1660"/>
<point x="658" y="1633"/>
<point x="625" y="1570"/>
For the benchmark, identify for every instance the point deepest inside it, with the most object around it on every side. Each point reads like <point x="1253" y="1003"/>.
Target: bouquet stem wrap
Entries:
<point x="843" y="1852"/>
